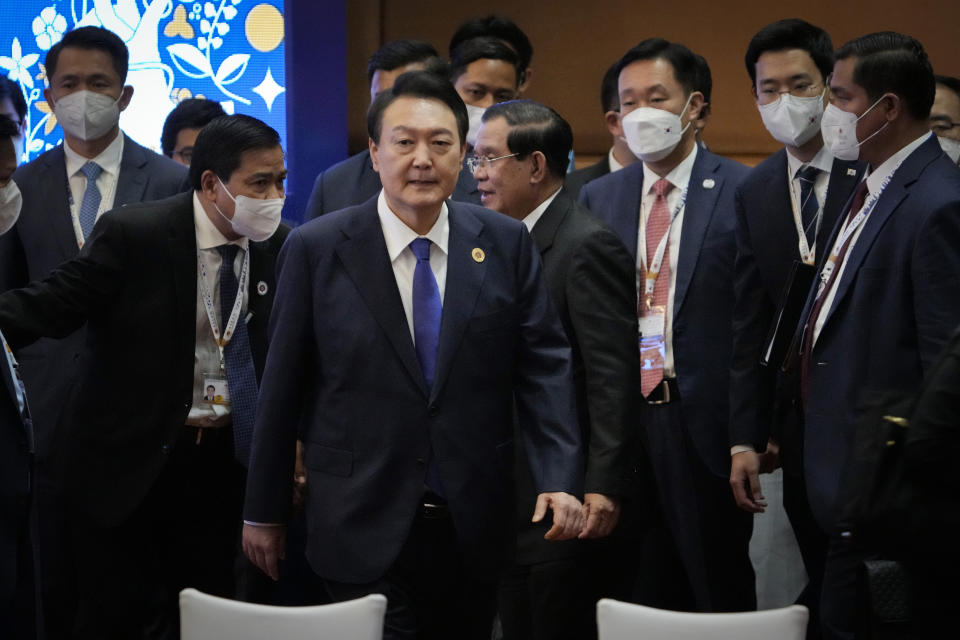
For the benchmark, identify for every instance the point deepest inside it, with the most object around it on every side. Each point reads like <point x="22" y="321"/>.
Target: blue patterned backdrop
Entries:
<point x="231" y="51"/>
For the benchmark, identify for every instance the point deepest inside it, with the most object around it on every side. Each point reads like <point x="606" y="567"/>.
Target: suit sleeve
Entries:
<point x="315" y="203"/>
<point x="584" y="197"/>
<point x="283" y="389"/>
<point x="936" y="281"/>
<point x="13" y="262"/>
<point x="601" y="302"/>
<point x="78" y="289"/>
<point x="543" y="382"/>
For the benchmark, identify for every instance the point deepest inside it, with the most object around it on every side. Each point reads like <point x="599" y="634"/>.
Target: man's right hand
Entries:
<point x="264" y="545"/>
<point x="745" y="481"/>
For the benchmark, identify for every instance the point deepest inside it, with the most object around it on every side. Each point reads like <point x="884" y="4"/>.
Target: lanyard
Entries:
<point x="237" y="304"/>
<point x="652" y="268"/>
<point x="807" y="253"/>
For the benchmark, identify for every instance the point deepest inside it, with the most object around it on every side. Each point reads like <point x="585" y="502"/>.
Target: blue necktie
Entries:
<point x="809" y="206"/>
<point x="427" y="310"/>
<point x="91" y="198"/>
<point x="241" y="375"/>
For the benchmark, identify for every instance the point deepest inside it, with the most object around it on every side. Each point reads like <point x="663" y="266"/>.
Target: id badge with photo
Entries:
<point x="653" y="345"/>
<point x="215" y="390"/>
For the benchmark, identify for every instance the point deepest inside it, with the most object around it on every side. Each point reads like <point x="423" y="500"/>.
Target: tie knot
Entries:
<point x="421" y="248"/>
<point x="228" y="252"/>
<point x="91" y="170"/>
<point x="662" y="187"/>
<point x="808" y="173"/>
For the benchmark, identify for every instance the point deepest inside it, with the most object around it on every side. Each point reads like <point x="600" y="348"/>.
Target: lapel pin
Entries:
<point x="708" y="183"/>
<point x="851" y="172"/>
<point x="478" y="254"/>
<point x="262" y="288"/>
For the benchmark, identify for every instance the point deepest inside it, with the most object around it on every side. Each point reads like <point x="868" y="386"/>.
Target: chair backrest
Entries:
<point x="206" y="617"/>
<point x="624" y="621"/>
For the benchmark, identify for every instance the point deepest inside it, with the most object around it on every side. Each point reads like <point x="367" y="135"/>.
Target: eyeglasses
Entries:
<point x="942" y="125"/>
<point x="800" y="91"/>
<point x="475" y="162"/>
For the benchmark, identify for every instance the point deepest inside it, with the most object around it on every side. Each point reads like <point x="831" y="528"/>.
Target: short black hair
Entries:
<point x="891" y="62"/>
<point x="704" y="83"/>
<point x="400" y="53"/>
<point x="8" y="128"/>
<point x="222" y="142"/>
<point x="418" y="84"/>
<point x="96" y="38"/>
<point x="609" y="95"/>
<point x="791" y="33"/>
<point x="10" y="89"/>
<point x="686" y="67"/>
<point x="483" y="49"/>
<point x="949" y="82"/>
<point x="535" y="127"/>
<point x="498" y="27"/>
<point x="193" y="113"/>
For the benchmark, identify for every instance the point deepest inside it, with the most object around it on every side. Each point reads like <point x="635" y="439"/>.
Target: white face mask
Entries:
<point x="950" y="147"/>
<point x="652" y="134"/>
<point x="475" y="114"/>
<point x="839" y="130"/>
<point x="252" y="217"/>
<point x="10" y="202"/>
<point x="791" y="120"/>
<point x="87" y="115"/>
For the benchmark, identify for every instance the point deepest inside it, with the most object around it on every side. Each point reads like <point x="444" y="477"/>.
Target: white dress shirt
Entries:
<point x="875" y="180"/>
<point x="823" y="161"/>
<point x="536" y="214"/>
<point x="680" y="179"/>
<point x="612" y="162"/>
<point x="398" y="237"/>
<point x="109" y="160"/>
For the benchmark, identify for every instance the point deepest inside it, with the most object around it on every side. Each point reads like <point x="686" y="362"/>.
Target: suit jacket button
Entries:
<point x="165" y="448"/>
<point x="421" y="462"/>
<point x="432" y="410"/>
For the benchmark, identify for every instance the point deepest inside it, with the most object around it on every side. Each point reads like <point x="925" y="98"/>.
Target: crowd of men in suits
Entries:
<point x="472" y="380"/>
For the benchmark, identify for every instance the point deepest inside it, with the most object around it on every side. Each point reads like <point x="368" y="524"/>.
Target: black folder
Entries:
<point x="784" y="326"/>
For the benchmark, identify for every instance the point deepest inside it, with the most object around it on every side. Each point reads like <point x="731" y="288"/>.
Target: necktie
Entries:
<point x="427" y="310"/>
<point x="856" y="203"/>
<point x="809" y="206"/>
<point x="91" y="198"/>
<point x="241" y="375"/>
<point x="658" y="225"/>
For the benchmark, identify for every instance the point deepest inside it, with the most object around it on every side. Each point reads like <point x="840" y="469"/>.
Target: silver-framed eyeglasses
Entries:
<point x="475" y="162"/>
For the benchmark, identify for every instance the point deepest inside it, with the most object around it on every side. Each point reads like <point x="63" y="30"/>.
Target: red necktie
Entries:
<point x="658" y="225"/>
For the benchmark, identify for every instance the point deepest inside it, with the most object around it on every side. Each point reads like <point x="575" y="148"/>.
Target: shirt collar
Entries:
<point x="109" y="159"/>
<point x="537" y="213"/>
<point x="823" y="161"/>
<point x="398" y="235"/>
<point x="612" y="161"/>
<point x="877" y="176"/>
<point x="679" y="177"/>
<point x="208" y="236"/>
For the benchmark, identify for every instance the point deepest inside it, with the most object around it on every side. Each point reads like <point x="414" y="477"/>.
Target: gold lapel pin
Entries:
<point x="478" y="254"/>
<point x="851" y="172"/>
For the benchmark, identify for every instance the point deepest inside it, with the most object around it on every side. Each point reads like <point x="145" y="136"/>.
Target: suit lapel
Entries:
<point x="840" y="188"/>
<point x="132" y="181"/>
<point x="183" y="255"/>
<point x="776" y="221"/>
<point x="363" y="253"/>
<point x="626" y="204"/>
<point x="546" y="228"/>
<point x="55" y="182"/>
<point x="697" y="213"/>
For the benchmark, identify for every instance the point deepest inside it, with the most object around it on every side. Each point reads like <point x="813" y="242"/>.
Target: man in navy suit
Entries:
<point x="405" y="332"/>
<point x="888" y="296"/>
<point x="674" y="211"/>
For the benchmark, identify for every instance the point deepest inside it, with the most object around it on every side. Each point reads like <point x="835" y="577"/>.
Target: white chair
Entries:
<point x="623" y="621"/>
<point x="206" y="617"/>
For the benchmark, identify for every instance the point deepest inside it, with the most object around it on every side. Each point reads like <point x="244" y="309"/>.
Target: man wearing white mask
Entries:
<point x="786" y="209"/>
<point x="945" y="116"/>
<point x="674" y="211"/>
<point x="10" y="198"/>
<point x="176" y="294"/>
<point x="64" y="191"/>
<point x="888" y="294"/>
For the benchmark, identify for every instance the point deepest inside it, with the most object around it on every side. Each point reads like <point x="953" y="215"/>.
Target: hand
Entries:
<point x="264" y="546"/>
<point x="299" y="480"/>
<point x="567" y="517"/>
<point x="745" y="482"/>
<point x="600" y="515"/>
<point x="770" y="459"/>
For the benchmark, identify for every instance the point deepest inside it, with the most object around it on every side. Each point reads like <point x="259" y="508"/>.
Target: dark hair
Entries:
<point x="535" y="127"/>
<point x="791" y="33"/>
<point x="949" y="82"/>
<point x="483" y="49"/>
<point x="498" y="27"/>
<point x="222" y="142"/>
<point x="418" y="84"/>
<point x="10" y="89"/>
<point x="703" y="84"/>
<point x="890" y="62"/>
<point x="686" y="67"/>
<point x="96" y="38"/>
<point x="400" y="53"/>
<point x="8" y="128"/>
<point x="609" y="95"/>
<point x="193" y="113"/>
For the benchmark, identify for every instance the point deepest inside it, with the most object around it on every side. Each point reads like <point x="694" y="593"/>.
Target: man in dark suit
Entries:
<point x="786" y="210"/>
<point x="86" y="70"/>
<point x="888" y="297"/>
<point x="156" y="477"/>
<point x="674" y="212"/>
<point x="550" y="590"/>
<point x="435" y="320"/>
<point x="619" y="155"/>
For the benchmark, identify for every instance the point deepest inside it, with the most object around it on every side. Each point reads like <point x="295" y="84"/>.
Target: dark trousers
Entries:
<point x="56" y="568"/>
<point x="841" y="602"/>
<point x="17" y="610"/>
<point x="184" y="534"/>
<point x="545" y="601"/>
<point x="813" y="543"/>
<point x="697" y="558"/>
<point x="430" y="594"/>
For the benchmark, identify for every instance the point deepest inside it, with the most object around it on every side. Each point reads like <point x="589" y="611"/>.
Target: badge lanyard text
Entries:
<point x="652" y="270"/>
<point x="231" y="325"/>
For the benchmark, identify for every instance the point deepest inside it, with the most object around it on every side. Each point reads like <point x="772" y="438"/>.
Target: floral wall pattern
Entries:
<point x="225" y="50"/>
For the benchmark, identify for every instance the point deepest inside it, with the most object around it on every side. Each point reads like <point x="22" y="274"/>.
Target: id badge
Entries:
<point x="215" y="390"/>
<point x="653" y="345"/>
